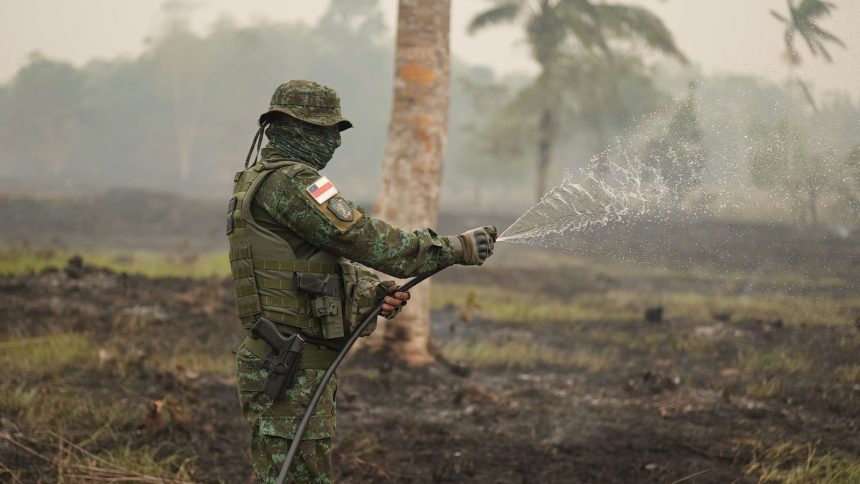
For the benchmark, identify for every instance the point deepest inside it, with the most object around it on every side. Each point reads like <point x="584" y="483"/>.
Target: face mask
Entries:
<point x="313" y="145"/>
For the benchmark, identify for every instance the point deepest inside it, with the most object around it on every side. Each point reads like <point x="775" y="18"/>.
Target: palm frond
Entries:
<point x="803" y="22"/>
<point x="633" y="22"/>
<point x="501" y="13"/>
<point x="780" y="17"/>
<point x="810" y="41"/>
<point x="585" y="28"/>
<point x="827" y="35"/>
<point x="812" y="9"/>
<point x="823" y="50"/>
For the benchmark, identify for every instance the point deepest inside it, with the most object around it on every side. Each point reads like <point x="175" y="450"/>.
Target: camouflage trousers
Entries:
<point x="273" y="424"/>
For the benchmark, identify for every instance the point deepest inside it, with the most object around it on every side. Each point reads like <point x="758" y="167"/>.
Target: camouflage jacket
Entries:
<point x="282" y="203"/>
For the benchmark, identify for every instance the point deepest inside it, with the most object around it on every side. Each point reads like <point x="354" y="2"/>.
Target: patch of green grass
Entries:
<point x="25" y="260"/>
<point x="628" y="340"/>
<point x="799" y="310"/>
<point x="150" y="461"/>
<point x="692" y="345"/>
<point x="503" y="305"/>
<point x="48" y="355"/>
<point x="777" y="361"/>
<point x="699" y="346"/>
<point x="792" y="463"/>
<point x="59" y="408"/>
<point x="763" y="389"/>
<point x="16" y="399"/>
<point x="496" y="304"/>
<point x="525" y="355"/>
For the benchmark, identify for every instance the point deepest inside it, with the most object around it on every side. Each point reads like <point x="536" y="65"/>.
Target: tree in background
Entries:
<point x="847" y="185"/>
<point x="180" y="68"/>
<point x="412" y="168"/>
<point x="802" y="20"/>
<point x="41" y="117"/>
<point x="553" y="24"/>
<point x="189" y="102"/>
<point x="599" y="98"/>
<point x="781" y="161"/>
<point x="678" y="154"/>
<point x="603" y="96"/>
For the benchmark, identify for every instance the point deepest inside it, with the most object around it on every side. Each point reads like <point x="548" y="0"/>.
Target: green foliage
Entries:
<point x="519" y="308"/>
<point x="53" y="354"/>
<point x="771" y="151"/>
<point x="803" y="20"/>
<point x="503" y="12"/>
<point x="776" y="361"/>
<point x="792" y="463"/>
<point x="525" y="355"/>
<point x="780" y="160"/>
<point x="564" y="32"/>
<point x="598" y="99"/>
<point x="18" y="260"/>
<point x="150" y="461"/>
<point x="189" y="104"/>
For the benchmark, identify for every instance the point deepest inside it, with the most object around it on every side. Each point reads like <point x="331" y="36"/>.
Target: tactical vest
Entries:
<point x="264" y="266"/>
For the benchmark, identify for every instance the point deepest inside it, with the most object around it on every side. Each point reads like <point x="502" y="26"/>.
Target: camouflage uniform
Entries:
<point x="284" y="207"/>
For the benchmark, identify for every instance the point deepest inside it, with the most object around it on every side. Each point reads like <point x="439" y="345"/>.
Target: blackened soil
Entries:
<point x="664" y="412"/>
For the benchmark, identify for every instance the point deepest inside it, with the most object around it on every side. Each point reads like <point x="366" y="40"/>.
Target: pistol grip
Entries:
<point x="267" y="331"/>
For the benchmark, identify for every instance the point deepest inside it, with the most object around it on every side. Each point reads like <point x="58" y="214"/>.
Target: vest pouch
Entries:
<point x="327" y="310"/>
<point x="326" y="305"/>
<point x="361" y="294"/>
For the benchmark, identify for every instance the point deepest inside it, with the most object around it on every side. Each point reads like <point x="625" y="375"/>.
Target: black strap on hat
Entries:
<point x="258" y="142"/>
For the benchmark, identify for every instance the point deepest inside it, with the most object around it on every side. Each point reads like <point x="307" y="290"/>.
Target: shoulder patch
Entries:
<point x="321" y="194"/>
<point x="341" y="209"/>
<point x="322" y="190"/>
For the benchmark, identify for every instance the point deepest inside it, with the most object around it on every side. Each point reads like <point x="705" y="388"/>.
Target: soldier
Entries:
<point x="291" y="233"/>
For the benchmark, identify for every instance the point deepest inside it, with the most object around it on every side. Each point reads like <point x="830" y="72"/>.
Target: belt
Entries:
<point x="313" y="357"/>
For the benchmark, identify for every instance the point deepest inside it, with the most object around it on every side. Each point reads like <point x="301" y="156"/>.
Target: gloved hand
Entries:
<point x="477" y="245"/>
<point x="393" y="300"/>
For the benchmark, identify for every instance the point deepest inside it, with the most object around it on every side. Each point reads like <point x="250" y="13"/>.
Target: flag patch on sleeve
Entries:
<point x="321" y="190"/>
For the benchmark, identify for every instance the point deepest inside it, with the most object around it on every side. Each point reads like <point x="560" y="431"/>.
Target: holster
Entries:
<point x="283" y="361"/>
<point x="326" y="304"/>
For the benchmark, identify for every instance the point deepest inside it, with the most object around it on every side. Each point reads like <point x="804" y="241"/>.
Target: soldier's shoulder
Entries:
<point x="290" y="178"/>
<point x="301" y="170"/>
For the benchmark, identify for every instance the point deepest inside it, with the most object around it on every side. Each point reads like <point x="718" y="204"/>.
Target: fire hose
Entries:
<point x="300" y="430"/>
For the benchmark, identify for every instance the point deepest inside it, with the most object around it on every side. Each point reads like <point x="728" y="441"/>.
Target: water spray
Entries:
<point x="603" y="195"/>
<point x="598" y="199"/>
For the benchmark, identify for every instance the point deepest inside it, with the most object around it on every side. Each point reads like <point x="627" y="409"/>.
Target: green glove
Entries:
<point x="476" y="245"/>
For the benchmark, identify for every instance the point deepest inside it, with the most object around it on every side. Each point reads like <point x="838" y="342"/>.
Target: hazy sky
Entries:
<point x="720" y="35"/>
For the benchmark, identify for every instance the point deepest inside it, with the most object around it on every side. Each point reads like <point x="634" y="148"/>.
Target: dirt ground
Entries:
<point x="675" y="404"/>
<point x="690" y="396"/>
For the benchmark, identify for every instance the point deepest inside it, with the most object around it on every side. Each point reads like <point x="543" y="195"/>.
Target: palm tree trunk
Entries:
<point x="412" y="169"/>
<point x="546" y="138"/>
<point x="547" y="128"/>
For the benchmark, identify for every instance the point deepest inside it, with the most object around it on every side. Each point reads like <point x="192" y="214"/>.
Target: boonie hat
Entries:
<point x="308" y="101"/>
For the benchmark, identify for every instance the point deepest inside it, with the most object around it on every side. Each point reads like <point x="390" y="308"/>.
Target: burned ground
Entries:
<point x="551" y="371"/>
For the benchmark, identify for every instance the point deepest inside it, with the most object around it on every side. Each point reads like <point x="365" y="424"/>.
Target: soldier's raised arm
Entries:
<point x="308" y="204"/>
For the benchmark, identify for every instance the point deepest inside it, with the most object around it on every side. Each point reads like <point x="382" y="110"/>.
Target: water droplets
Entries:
<point x="605" y="192"/>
